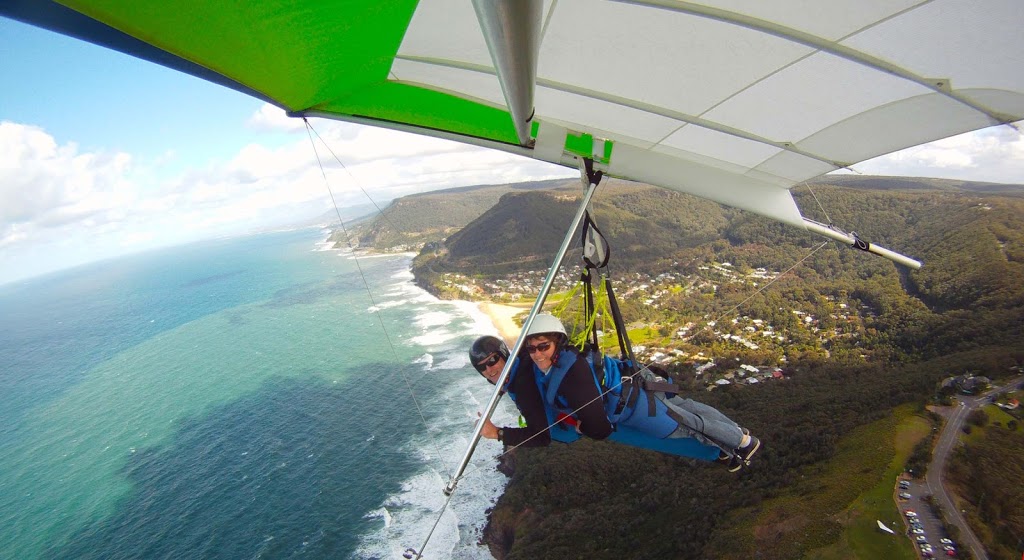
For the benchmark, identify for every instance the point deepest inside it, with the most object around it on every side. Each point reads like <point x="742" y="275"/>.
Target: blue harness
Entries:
<point x="634" y="422"/>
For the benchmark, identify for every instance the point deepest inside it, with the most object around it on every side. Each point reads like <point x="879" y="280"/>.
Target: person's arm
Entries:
<point x="583" y="396"/>
<point x="531" y="406"/>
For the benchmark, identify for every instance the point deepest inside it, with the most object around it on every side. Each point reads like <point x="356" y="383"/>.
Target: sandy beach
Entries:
<point x="502" y="315"/>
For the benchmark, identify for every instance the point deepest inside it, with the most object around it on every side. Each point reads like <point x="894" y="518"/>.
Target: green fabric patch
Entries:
<point x="332" y="56"/>
<point x="583" y="145"/>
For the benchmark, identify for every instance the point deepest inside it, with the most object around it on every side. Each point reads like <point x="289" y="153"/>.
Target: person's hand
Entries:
<point x="489" y="431"/>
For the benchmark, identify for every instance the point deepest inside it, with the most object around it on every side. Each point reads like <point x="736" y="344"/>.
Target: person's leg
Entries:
<point x="705" y="411"/>
<point x="705" y="423"/>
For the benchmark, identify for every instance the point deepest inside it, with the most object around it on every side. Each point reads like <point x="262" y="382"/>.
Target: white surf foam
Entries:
<point x="419" y="503"/>
<point x="443" y="330"/>
<point x="454" y="360"/>
<point x="426" y="359"/>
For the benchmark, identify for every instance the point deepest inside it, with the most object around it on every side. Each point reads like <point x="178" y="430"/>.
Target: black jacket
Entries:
<point x="578" y="389"/>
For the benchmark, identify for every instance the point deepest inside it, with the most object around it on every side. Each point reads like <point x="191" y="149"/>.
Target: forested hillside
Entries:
<point x="409" y="222"/>
<point x="962" y="312"/>
<point x="972" y="247"/>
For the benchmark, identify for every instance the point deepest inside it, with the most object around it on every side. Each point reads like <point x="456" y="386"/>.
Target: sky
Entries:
<point x="102" y="155"/>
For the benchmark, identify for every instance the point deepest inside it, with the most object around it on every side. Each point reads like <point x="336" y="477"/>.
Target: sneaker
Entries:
<point x="731" y="462"/>
<point x="748" y="450"/>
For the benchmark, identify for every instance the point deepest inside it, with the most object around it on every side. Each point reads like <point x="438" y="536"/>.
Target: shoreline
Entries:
<point x="502" y="316"/>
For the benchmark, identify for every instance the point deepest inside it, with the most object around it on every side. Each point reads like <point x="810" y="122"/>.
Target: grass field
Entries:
<point x="831" y="513"/>
<point x="862" y="537"/>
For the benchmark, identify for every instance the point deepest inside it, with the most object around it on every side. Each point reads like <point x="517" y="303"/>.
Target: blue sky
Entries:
<point x="105" y="100"/>
<point x="102" y="154"/>
<point x="106" y="155"/>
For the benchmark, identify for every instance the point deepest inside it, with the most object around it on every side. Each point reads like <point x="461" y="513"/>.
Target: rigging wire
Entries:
<point x="419" y="553"/>
<point x="309" y="127"/>
<point x="827" y="217"/>
<point x="366" y="285"/>
<point x="780" y="275"/>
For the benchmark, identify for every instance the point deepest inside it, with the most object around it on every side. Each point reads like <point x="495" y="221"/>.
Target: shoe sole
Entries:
<point x="757" y="445"/>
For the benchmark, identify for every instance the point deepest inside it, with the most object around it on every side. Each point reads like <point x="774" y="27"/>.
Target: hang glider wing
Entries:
<point x="735" y="102"/>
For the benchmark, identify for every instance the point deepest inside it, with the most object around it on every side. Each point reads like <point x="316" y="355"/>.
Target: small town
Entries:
<point x="729" y="347"/>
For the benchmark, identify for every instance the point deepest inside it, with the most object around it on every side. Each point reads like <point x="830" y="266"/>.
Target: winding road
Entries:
<point x="948" y="438"/>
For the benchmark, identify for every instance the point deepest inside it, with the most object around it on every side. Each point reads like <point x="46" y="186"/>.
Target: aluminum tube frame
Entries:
<point x="512" y="30"/>
<point x="537" y="305"/>
<point x="852" y="240"/>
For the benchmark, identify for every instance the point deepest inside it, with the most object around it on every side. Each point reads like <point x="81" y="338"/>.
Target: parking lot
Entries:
<point x="931" y="528"/>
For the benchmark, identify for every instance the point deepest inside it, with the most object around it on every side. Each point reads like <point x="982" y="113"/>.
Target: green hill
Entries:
<point x="411" y="221"/>
<point x="972" y="246"/>
<point x="964" y="310"/>
<point x="874" y="182"/>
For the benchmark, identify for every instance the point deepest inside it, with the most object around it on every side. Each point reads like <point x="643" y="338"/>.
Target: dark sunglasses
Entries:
<point x="487" y="363"/>
<point x="542" y="347"/>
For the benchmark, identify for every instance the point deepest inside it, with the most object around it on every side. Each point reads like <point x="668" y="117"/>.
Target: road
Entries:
<point x="948" y="438"/>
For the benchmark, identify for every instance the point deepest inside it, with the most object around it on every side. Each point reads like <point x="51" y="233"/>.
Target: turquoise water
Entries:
<point x="243" y="398"/>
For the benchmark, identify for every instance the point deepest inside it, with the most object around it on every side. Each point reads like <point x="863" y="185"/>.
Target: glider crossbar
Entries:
<point x="853" y="240"/>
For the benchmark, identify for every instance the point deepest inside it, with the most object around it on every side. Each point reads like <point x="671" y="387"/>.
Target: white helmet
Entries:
<point x="545" y="323"/>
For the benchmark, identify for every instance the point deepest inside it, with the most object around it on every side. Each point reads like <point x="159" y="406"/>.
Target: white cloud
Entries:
<point x="61" y="206"/>
<point x="273" y="119"/>
<point x="43" y="185"/>
<point x="995" y="154"/>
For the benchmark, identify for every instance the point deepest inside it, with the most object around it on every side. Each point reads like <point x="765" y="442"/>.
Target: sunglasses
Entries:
<point x="487" y="363"/>
<point x="542" y="347"/>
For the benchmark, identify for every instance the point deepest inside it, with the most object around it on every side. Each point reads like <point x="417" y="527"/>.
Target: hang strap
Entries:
<point x="596" y="250"/>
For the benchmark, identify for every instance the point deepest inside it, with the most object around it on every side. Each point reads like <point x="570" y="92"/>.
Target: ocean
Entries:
<point x="255" y="397"/>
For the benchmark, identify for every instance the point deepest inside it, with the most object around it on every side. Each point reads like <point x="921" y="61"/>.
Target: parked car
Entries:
<point x="922" y="539"/>
<point x="945" y="541"/>
<point x="918" y="531"/>
<point x="905" y="495"/>
<point x="911" y="513"/>
<point x="904" y="484"/>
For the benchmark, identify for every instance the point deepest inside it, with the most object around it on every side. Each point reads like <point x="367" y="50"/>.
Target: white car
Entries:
<point x="911" y="513"/>
<point x="918" y="531"/>
<point x="945" y="541"/>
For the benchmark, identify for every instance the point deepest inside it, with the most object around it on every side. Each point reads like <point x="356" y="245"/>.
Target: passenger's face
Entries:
<point x="541" y="349"/>
<point x="492" y="366"/>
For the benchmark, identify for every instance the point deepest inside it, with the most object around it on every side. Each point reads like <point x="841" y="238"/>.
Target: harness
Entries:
<point x="620" y="413"/>
<point x="632" y="397"/>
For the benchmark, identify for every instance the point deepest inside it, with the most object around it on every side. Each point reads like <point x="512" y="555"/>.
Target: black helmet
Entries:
<point x="485" y="346"/>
